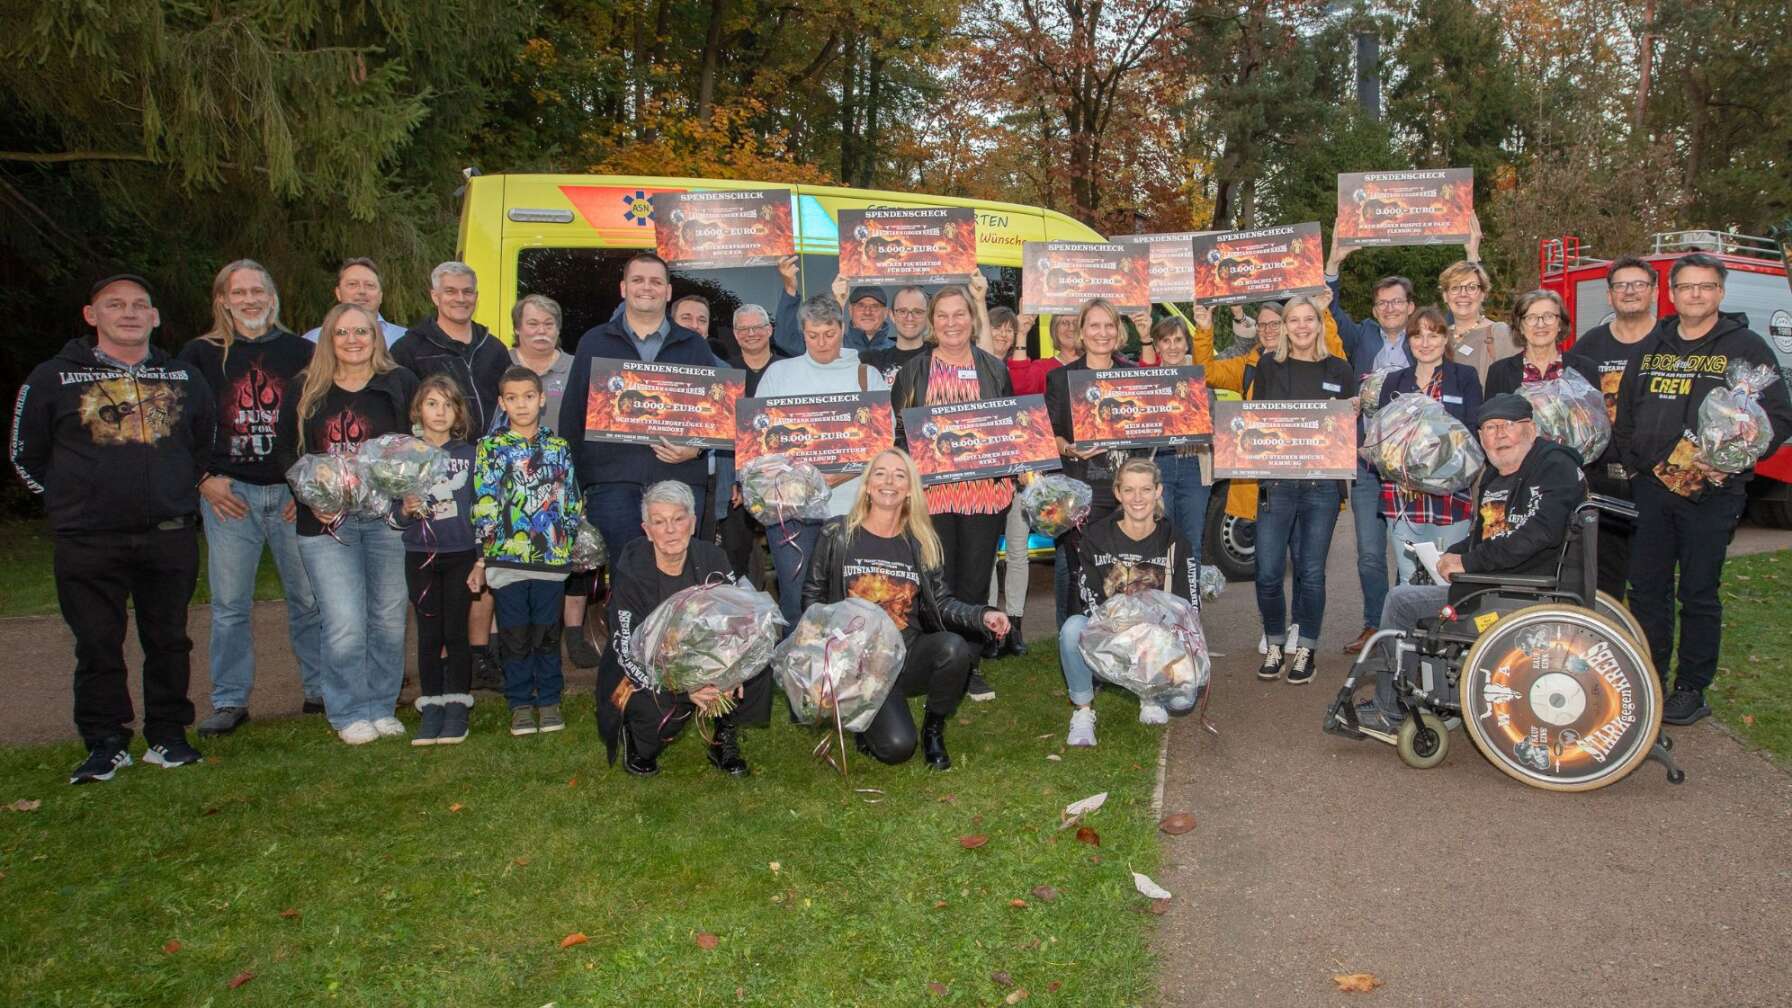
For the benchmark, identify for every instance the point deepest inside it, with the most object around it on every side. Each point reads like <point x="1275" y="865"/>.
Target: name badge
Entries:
<point x="1453" y="400"/>
<point x="1329" y="387"/>
<point x="967" y="374"/>
<point x="1465" y="350"/>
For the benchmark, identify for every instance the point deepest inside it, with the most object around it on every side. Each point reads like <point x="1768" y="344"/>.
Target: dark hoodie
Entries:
<point x="1659" y="396"/>
<point x="1105" y="561"/>
<point x="475" y="365"/>
<point x="603" y="462"/>
<point x="1522" y="521"/>
<point x="113" y="449"/>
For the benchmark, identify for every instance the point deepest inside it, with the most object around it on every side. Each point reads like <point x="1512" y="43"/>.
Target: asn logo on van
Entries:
<point x="640" y="208"/>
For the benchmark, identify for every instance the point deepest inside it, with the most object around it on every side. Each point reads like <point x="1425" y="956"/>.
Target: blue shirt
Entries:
<point x="387" y="329"/>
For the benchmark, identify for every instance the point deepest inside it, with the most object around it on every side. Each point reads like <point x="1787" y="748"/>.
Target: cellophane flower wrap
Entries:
<point x="1149" y="642"/>
<point x="1734" y="431"/>
<point x="1212" y="582"/>
<point x="587" y="548"/>
<point x="330" y="484"/>
<point x="1415" y="443"/>
<point x="775" y="489"/>
<point x="400" y="466"/>
<point x="1570" y="411"/>
<point x="717" y="635"/>
<point x="1055" y="503"/>
<point x="844" y="657"/>
<point x="1368" y="401"/>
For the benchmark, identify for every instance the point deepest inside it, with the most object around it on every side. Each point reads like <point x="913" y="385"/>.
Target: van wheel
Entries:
<point x="1770" y="513"/>
<point x="1230" y="542"/>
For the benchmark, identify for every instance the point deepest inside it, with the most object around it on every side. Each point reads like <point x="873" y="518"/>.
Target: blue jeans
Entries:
<point x="614" y="509"/>
<point x="233" y="552"/>
<point x="1371" y="543"/>
<point x="361" y="598"/>
<point x="528" y="625"/>
<point x="1300" y="514"/>
<point x="793" y="547"/>
<point x="1185" y="497"/>
<point x="1077" y="674"/>
<point x="1441" y="536"/>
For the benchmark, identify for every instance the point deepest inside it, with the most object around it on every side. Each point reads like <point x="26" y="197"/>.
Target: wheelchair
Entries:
<point x="1556" y="692"/>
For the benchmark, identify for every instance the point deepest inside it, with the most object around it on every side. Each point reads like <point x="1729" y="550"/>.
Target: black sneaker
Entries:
<point x="313" y="705"/>
<point x="579" y="652"/>
<point x="978" y="689"/>
<point x="488" y="672"/>
<point x="170" y="754"/>
<point x="1685" y="707"/>
<point x="1272" y="663"/>
<point x="1301" y="669"/>
<point x="102" y="762"/>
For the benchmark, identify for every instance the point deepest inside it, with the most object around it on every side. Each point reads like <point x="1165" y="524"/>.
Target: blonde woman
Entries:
<point x="1475" y="339"/>
<point x="252" y="366"/>
<point x="884" y="549"/>
<point x="353" y="392"/>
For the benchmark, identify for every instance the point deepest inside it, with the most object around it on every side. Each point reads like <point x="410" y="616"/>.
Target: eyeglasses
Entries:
<point x="759" y="327"/>
<point x="1464" y="288"/>
<point x="1393" y="303"/>
<point x="1537" y="320"/>
<point x="361" y="331"/>
<point x="1497" y="427"/>
<point x="1271" y="326"/>
<point x="1702" y="288"/>
<point x="910" y="312"/>
<point x="1626" y="286"/>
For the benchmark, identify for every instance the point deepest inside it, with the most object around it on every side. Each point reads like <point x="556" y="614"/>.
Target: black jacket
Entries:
<point x="1105" y="561"/>
<point x="910" y="387"/>
<point x="603" y="462"/>
<point x="110" y="449"/>
<point x="1507" y="373"/>
<point x="938" y="610"/>
<point x="1461" y="390"/>
<point x="1523" y="521"/>
<point x="475" y="365"/>
<point x="1659" y="397"/>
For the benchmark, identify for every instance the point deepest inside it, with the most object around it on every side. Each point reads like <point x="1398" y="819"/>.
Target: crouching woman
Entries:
<point x="884" y="550"/>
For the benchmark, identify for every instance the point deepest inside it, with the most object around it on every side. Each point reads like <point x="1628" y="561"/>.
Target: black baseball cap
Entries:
<point x="876" y="293"/>
<point x="104" y="282"/>
<point x="1505" y="406"/>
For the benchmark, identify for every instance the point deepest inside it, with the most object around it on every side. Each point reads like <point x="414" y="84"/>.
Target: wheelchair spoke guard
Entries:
<point x="1561" y="698"/>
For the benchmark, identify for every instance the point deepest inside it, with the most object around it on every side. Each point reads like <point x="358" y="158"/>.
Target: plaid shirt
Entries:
<point x="1421" y="508"/>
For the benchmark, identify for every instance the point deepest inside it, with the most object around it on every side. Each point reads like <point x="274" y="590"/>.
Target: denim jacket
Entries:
<point x="526" y="505"/>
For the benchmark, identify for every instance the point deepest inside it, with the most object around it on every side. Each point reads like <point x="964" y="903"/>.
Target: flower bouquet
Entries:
<point x="587" y="548"/>
<point x="1369" y="392"/>
<point x="1734" y="431"/>
<point x="1415" y="443"/>
<point x="1570" y="411"/>
<point x="1212" y="581"/>
<point x="841" y="662"/>
<point x="1055" y="504"/>
<point x="331" y="484"/>
<point x="400" y="466"/>
<point x="1149" y="642"/>
<point x="775" y="489"/>
<point x="717" y="635"/>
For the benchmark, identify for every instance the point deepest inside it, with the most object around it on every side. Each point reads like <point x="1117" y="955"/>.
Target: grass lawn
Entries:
<point x="1753" y="690"/>
<point x="347" y="876"/>
<point x="29" y="588"/>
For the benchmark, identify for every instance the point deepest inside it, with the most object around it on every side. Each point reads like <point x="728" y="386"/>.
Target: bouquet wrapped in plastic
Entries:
<point x="1415" y="443"/>
<point x="1212" y="582"/>
<point x="774" y="489"/>
<point x="587" y="548"/>
<point x="1734" y="431"/>
<point x="332" y="484"/>
<point x="1055" y="504"/>
<point x="1369" y="392"/>
<point x="717" y="635"/>
<point x="1149" y="642"/>
<point x="400" y="466"/>
<point x="841" y="660"/>
<point x="1570" y="411"/>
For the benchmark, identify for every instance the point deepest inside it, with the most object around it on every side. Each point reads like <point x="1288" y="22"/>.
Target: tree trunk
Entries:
<point x="640" y="70"/>
<point x="849" y="73"/>
<point x="868" y="153"/>
<point x="712" y="45"/>
<point x="1645" y="63"/>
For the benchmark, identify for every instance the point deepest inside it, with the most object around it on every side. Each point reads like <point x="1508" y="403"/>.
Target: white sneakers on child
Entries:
<point x="1082" y="728"/>
<point x="389" y="727"/>
<point x="358" y="733"/>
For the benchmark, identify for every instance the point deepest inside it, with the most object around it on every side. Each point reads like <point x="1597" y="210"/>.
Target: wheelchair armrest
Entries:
<point x="1504" y="580"/>
<point x="1612" y="505"/>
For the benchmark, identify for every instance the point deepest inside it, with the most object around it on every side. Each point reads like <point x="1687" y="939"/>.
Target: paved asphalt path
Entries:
<point x="1315" y="855"/>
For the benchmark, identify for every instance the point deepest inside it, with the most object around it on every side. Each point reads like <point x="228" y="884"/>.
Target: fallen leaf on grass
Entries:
<point x="574" y="782"/>
<point x="23" y="805"/>
<point x="1054" y="986"/>
<point x="520" y="862"/>
<point x="1044" y="893"/>
<point x="936" y="988"/>
<point x="1054" y="757"/>
<point x="949" y="799"/>
<point x="289" y="914"/>
<point x="209" y="811"/>
<point x="1095" y="859"/>
<point x="1086" y="835"/>
<point x="1356" y="983"/>
<point x="1001" y="978"/>
<point x="1748" y="719"/>
<point x="456" y="807"/>
<point x="1148" y="888"/>
<point x="1075" y="811"/>
<point x="240" y="979"/>
<point x="973" y="841"/>
<point x="939" y="904"/>
<point x="775" y="867"/>
<point x="576" y="938"/>
<point x="1158" y="907"/>
<point x="1015" y="996"/>
<point x="1018" y="903"/>
<point x="172" y="946"/>
<point x="707" y="941"/>
<point x="1177" y="823"/>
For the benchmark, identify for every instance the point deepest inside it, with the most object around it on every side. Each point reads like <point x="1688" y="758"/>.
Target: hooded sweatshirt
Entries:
<point x="476" y="365"/>
<point x="1659" y="397"/>
<point x="803" y="376"/>
<point x="1522" y="520"/>
<point x="1108" y="562"/>
<point x="113" y="448"/>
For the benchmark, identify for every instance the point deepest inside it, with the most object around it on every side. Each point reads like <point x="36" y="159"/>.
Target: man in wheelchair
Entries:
<point x="1520" y="551"/>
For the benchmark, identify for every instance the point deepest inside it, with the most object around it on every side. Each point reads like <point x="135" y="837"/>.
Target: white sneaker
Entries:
<point x="1082" y="728"/>
<point x="358" y="733"/>
<point x="1150" y="713"/>
<point x="389" y="727"/>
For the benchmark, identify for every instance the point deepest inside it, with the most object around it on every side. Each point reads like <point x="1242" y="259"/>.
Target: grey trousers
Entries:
<point x="1404" y="607"/>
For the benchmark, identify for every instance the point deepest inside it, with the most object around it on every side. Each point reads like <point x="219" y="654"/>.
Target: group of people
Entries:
<point x="135" y="452"/>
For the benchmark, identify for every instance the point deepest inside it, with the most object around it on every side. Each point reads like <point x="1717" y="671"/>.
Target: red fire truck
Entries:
<point x="1758" y="287"/>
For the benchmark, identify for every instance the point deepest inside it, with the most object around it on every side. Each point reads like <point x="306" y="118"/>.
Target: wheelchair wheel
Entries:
<point x="1561" y="698"/>
<point x="1619" y="613"/>
<point x="1423" y="741"/>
